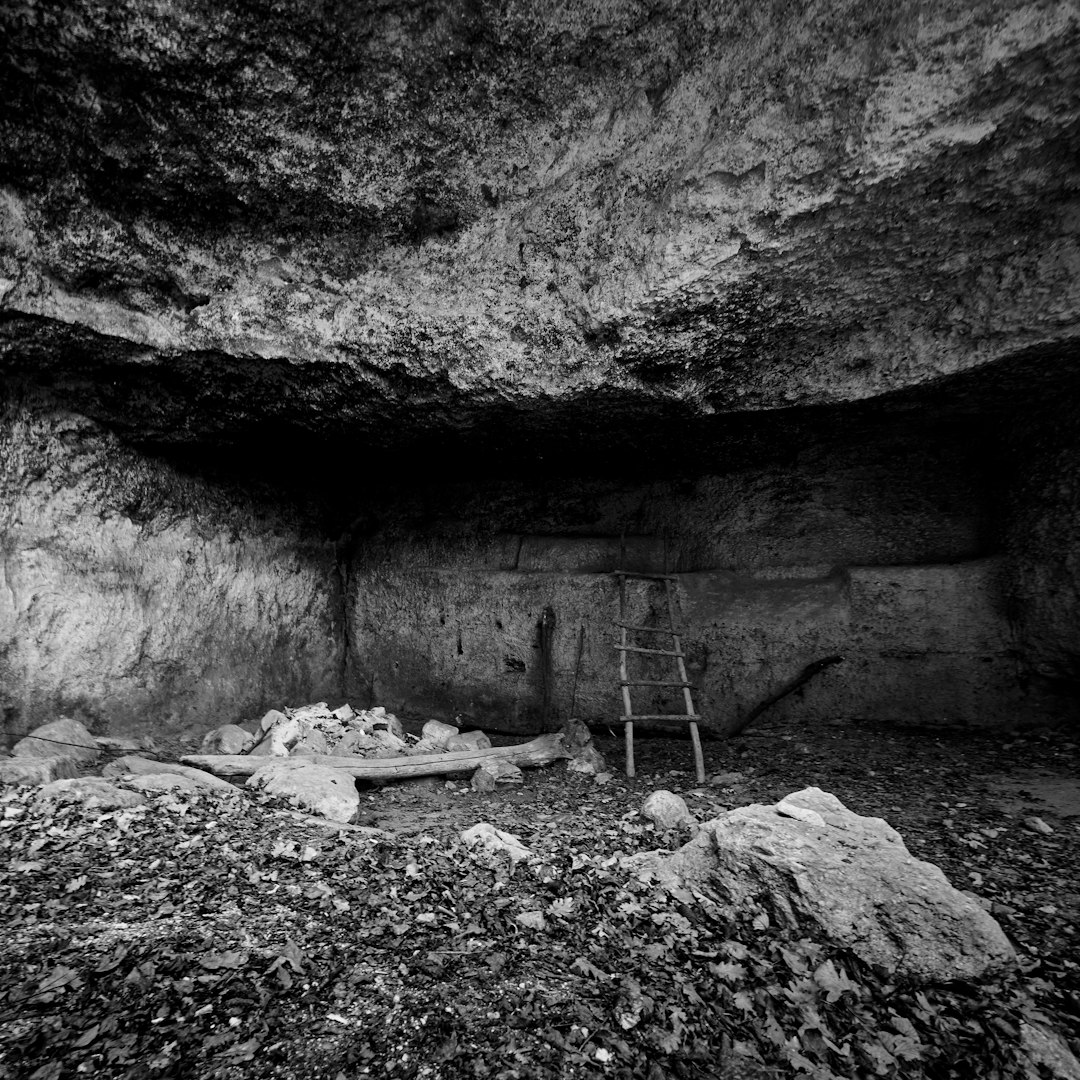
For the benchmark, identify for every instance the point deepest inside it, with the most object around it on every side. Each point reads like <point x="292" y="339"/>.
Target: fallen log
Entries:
<point x="541" y="751"/>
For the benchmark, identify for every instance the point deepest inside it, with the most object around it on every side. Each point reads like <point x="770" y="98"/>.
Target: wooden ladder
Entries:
<point x="675" y="652"/>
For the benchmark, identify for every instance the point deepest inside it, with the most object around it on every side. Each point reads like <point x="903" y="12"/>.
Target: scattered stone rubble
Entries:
<point x="291" y="740"/>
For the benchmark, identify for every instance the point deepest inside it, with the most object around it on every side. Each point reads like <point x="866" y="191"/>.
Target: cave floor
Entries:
<point x="252" y="940"/>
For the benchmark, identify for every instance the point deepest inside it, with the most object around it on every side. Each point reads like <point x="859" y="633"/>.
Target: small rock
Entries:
<point x="140" y="766"/>
<point x="495" y="772"/>
<point x="156" y="782"/>
<point x="800" y="813"/>
<point x="1037" y="825"/>
<point x="534" y="920"/>
<point x="345" y="713"/>
<point x="727" y="779"/>
<point x="588" y="761"/>
<point x="118" y="744"/>
<point x="227" y="739"/>
<point x="280" y="737"/>
<point x="602" y="778"/>
<point x="92" y="791"/>
<point x="270" y="719"/>
<point x="437" y="733"/>
<point x="37" y="770"/>
<point x="486" y="835"/>
<point x="311" y="741"/>
<point x="469" y="740"/>
<point x="318" y="788"/>
<point x="667" y="810"/>
<point x="576" y="736"/>
<point x="61" y="738"/>
<point x="482" y="780"/>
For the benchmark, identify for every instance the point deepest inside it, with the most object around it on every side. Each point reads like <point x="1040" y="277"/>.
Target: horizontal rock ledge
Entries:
<point x="540" y="751"/>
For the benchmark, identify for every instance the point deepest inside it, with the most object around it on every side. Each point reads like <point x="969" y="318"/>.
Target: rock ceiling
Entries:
<point x="407" y="221"/>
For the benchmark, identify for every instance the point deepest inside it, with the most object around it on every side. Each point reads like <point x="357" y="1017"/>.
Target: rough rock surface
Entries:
<point x="530" y="239"/>
<point x="64" y="737"/>
<point x="132" y="765"/>
<point x="734" y="206"/>
<point x="94" y="792"/>
<point x="37" y="770"/>
<point x="326" y="792"/>
<point x="849" y="878"/>
<point x="227" y="739"/>
<point x="137" y="597"/>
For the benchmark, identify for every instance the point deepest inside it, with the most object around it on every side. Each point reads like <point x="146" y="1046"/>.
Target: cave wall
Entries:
<point x="139" y="599"/>
<point x="1042" y="535"/>
<point x="881" y="547"/>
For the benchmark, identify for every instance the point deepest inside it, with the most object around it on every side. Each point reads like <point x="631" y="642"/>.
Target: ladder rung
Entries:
<point x="657" y="682"/>
<point x="653" y="652"/>
<point x="646" y="576"/>
<point x="648" y="629"/>
<point x="663" y="716"/>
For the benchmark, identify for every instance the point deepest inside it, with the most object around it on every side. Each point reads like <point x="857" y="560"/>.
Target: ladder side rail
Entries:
<point x="695" y="738"/>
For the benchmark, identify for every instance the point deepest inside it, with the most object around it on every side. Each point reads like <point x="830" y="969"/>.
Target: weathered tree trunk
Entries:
<point x="541" y="751"/>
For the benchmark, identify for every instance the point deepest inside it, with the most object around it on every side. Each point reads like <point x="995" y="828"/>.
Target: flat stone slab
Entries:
<point x="140" y="766"/>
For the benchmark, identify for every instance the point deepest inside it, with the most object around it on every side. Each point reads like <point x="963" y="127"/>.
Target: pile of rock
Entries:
<point x="316" y="729"/>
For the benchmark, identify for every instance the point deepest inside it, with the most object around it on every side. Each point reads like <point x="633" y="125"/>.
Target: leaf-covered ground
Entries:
<point x="211" y="936"/>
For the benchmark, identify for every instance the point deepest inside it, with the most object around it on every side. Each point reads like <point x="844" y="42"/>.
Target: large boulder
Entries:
<point x="811" y="864"/>
<point x="60" y="738"/>
<point x="330" y="793"/>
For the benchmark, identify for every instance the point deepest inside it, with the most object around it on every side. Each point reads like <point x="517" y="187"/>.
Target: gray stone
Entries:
<point x="119" y="744"/>
<point x="140" y="766"/>
<point x="849" y="879"/>
<point x="321" y="790"/>
<point x="37" y="770"/>
<point x="1037" y="825"/>
<point x="227" y="739"/>
<point x="602" y="778"/>
<point x="93" y="792"/>
<point x="437" y="733"/>
<point x="587" y="760"/>
<point x="1044" y="1049"/>
<point x="482" y="780"/>
<point x="487" y="836"/>
<point x="61" y="738"/>
<point x="667" y="810"/>
<point x="270" y="719"/>
<point x="469" y="740"/>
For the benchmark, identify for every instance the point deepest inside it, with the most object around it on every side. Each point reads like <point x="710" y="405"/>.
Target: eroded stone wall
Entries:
<point x="878" y="548"/>
<point x="1042" y="535"/>
<point x="142" y="600"/>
